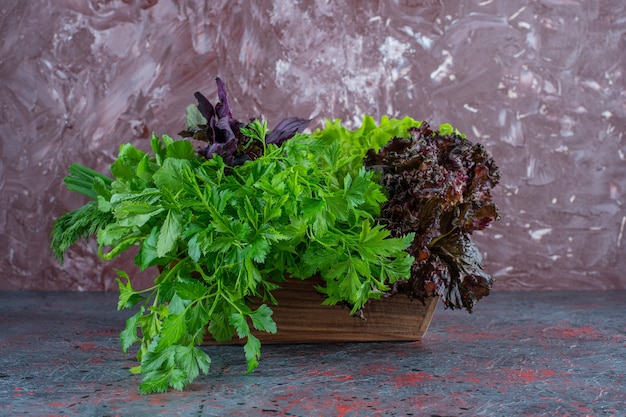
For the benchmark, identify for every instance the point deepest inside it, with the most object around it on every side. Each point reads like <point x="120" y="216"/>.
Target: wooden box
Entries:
<point x="301" y="318"/>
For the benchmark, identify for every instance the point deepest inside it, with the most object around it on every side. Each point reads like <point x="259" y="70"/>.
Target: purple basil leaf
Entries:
<point x="223" y="131"/>
<point x="223" y="107"/>
<point x="225" y="150"/>
<point x="204" y="106"/>
<point x="286" y="129"/>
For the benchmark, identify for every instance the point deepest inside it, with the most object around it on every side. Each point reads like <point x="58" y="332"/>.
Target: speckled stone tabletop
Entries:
<point x="518" y="354"/>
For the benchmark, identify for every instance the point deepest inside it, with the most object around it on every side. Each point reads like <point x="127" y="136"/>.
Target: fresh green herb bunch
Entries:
<point x="227" y="223"/>
<point x="225" y="236"/>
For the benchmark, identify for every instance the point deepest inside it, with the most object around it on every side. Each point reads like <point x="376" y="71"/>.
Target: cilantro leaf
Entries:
<point x="252" y="350"/>
<point x="238" y="321"/>
<point x="128" y="296"/>
<point x="129" y="335"/>
<point x="220" y="328"/>
<point x="262" y="319"/>
<point x="192" y="361"/>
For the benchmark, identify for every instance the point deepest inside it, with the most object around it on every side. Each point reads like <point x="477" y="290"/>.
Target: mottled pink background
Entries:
<point x="540" y="83"/>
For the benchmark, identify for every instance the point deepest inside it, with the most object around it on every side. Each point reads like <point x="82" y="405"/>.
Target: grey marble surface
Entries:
<point x="519" y="354"/>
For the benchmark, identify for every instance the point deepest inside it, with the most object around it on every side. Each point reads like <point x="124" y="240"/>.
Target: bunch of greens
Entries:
<point x="225" y="235"/>
<point x="227" y="223"/>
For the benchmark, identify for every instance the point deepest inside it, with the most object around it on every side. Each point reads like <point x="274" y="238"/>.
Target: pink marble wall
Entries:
<point x="540" y="83"/>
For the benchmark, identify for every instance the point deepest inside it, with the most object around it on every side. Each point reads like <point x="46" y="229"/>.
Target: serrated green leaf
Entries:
<point x="240" y="230"/>
<point x="273" y="208"/>
<point x="250" y="213"/>
<point x="197" y="318"/>
<point x="103" y="204"/>
<point x="167" y="140"/>
<point x="177" y="305"/>
<point x="128" y="296"/>
<point x="238" y="321"/>
<point x="172" y="174"/>
<point x="262" y="319"/>
<point x="398" y="268"/>
<point x="193" y="248"/>
<point x="252" y="277"/>
<point x="256" y="130"/>
<point x="339" y="270"/>
<point x="220" y="328"/>
<point x="147" y="254"/>
<point x="191" y="289"/>
<point x="173" y="328"/>
<point x="252" y="349"/>
<point x="111" y="234"/>
<point x="149" y="195"/>
<point x="130" y="213"/>
<point x="150" y="324"/>
<point x="102" y="187"/>
<point x="125" y="167"/>
<point x="322" y="257"/>
<point x="129" y="335"/>
<point x="120" y="239"/>
<point x="144" y="169"/>
<point x="355" y="190"/>
<point x="159" y="381"/>
<point x="338" y="207"/>
<point x="192" y="361"/>
<point x="221" y="223"/>
<point x="375" y="241"/>
<point x="222" y="244"/>
<point x="312" y="207"/>
<point x="180" y="149"/>
<point x="154" y="382"/>
<point x="258" y="249"/>
<point x="323" y="220"/>
<point x="169" y="233"/>
<point x="157" y="360"/>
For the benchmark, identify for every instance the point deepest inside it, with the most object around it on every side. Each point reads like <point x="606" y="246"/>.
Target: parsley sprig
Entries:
<point x="226" y="236"/>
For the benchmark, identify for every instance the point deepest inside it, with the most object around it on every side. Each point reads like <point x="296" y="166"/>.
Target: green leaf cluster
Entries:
<point x="224" y="238"/>
<point x="354" y="144"/>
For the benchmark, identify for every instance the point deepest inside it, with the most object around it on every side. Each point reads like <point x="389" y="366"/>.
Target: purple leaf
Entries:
<point x="439" y="187"/>
<point x="223" y="107"/>
<point x="204" y="106"/>
<point x="225" y="150"/>
<point x="286" y="129"/>
<point x="224" y="131"/>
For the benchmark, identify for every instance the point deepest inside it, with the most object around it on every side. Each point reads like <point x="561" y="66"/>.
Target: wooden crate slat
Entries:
<point x="301" y="318"/>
